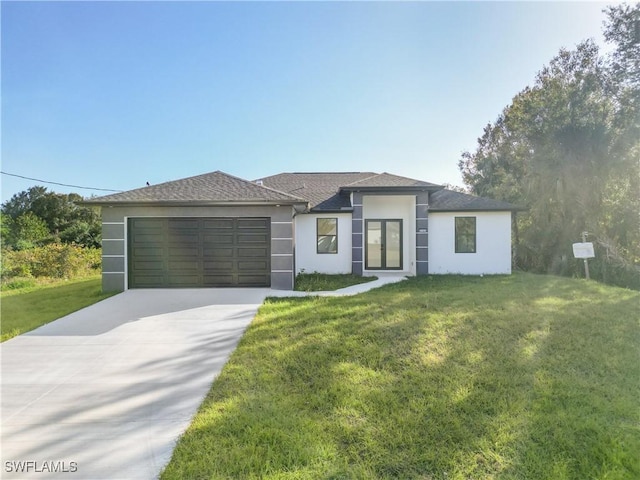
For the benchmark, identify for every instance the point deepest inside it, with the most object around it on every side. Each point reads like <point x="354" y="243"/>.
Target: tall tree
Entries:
<point x="566" y="149"/>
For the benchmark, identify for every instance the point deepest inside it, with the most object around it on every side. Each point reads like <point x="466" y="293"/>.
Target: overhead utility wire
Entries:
<point x="61" y="184"/>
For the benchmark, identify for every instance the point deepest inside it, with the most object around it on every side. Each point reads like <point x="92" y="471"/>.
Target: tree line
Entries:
<point x="567" y="149"/>
<point x="38" y="217"/>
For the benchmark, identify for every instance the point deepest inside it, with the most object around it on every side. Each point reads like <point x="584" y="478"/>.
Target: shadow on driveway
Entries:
<point x="105" y="392"/>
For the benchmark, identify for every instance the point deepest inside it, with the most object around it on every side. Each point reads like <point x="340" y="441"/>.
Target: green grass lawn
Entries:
<point x="505" y="377"/>
<point x="320" y="282"/>
<point x="24" y="309"/>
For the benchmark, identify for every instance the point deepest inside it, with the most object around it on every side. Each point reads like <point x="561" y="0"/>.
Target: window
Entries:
<point x="327" y="235"/>
<point x="465" y="234"/>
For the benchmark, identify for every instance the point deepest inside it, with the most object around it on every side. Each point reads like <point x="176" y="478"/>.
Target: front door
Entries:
<point x="383" y="240"/>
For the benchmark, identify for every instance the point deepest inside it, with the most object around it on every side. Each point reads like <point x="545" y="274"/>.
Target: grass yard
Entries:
<point x="321" y="282"/>
<point x="24" y="309"/>
<point x="506" y="377"/>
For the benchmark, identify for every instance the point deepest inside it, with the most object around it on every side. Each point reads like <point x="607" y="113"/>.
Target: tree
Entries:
<point x="564" y="148"/>
<point x="63" y="218"/>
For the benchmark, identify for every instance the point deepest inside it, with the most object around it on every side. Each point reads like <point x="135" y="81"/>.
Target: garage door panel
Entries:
<point x="139" y="223"/>
<point x="191" y="252"/>
<point x="149" y="238"/>
<point x="145" y="265"/>
<point x="252" y="266"/>
<point x="218" y="252"/>
<point x="245" y="252"/>
<point x="221" y="266"/>
<point x="152" y="251"/>
<point x="218" y="239"/>
<point x="223" y="223"/>
<point x="253" y="280"/>
<point x="149" y="281"/>
<point x="176" y="266"/>
<point x="184" y="251"/>
<point x="251" y="238"/>
<point x="219" y="281"/>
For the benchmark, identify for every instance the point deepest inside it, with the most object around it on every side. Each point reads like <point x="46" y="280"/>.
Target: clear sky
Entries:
<point x="117" y="94"/>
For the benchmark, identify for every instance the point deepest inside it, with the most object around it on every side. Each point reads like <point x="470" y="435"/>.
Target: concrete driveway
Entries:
<point x="104" y="393"/>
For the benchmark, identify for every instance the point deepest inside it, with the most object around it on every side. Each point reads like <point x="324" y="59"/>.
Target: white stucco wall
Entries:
<point x="493" y="244"/>
<point x="308" y="259"/>
<point x="378" y="207"/>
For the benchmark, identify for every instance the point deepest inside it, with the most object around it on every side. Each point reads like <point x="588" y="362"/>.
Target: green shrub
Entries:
<point x="55" y="261"/>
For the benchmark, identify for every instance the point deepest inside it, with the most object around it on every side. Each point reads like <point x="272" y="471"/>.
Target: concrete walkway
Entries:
<point x="104" y="393"/>
<point x="383" y="279"/>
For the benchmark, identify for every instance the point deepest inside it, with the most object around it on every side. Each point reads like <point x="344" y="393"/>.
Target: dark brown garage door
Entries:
<point x="199" y="252"/>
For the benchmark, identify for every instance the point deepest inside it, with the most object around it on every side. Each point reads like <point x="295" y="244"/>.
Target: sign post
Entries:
<point x="585" y="251"/>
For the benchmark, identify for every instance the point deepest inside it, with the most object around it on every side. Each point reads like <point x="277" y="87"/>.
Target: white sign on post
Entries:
<point x="583" y="250"/>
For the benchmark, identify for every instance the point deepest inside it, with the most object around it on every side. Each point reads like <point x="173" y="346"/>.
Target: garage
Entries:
<point x="199" y="252"/>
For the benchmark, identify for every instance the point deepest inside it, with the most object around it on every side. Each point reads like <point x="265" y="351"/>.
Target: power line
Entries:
<point x="61" y="184"/>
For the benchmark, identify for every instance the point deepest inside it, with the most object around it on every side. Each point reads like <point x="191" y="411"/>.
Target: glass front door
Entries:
<point x="383" y="240"/>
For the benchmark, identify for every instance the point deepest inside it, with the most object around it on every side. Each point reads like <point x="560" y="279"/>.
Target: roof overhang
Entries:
<point x="391" y="189"/>
<point x="193" y="203"/>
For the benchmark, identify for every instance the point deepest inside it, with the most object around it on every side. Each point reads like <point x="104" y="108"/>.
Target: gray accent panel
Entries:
<point x="422" y="224"/>
<point x="113" y="282"/>
<point x="281" y="230"/>
<point x="281" y="246"/>
<point x="113" y="264"/>
<point x="357" y="234"/>
<point x="356" y="225"/>
<point x="422" y="236"/>
<point x="356" y="268"/>
<point x="282" y="280"/>
<point x="113" y="248"/>
<point x="422" y="240"/>
<point x="422" y="197"/>
<point x="112" y="231"/>
<point x="282" y="263"/>
<point x="112" y="215"/>
<point x="422" y="211"/>
<point x="422" y="268"/>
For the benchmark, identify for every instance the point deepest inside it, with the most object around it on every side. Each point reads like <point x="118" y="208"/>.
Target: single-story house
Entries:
<point x="216" y="230"/>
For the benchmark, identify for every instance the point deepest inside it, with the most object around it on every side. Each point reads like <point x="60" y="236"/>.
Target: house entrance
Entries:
<point x="383" y="244"/>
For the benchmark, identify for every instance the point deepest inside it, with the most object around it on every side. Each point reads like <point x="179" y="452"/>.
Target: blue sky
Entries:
<point x="116" y="94"/>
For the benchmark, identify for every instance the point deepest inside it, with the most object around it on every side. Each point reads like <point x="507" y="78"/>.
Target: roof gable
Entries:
<point x="210" y="188"/>
<point x="330" y="191"/>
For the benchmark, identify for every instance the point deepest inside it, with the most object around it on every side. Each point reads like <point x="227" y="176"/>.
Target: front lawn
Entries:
<point x="509" y="377"/>
<point x="24" y="309"/>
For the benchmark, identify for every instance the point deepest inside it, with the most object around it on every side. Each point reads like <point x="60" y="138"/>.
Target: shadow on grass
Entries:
<point x="444" y="377"/>
<point x="23" y="312"/>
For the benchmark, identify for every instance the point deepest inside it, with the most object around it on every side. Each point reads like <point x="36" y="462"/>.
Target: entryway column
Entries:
<point x="422" y="233"/>
<point x="357" y="242"/>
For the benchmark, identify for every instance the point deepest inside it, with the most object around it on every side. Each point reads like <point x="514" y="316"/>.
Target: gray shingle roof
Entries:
<point x="322" y="190"/>
<point x="329" y="191"/>
<point x="207" y="188"/>
<point x="452" y="201"/>
<point x="389" y="180"/>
